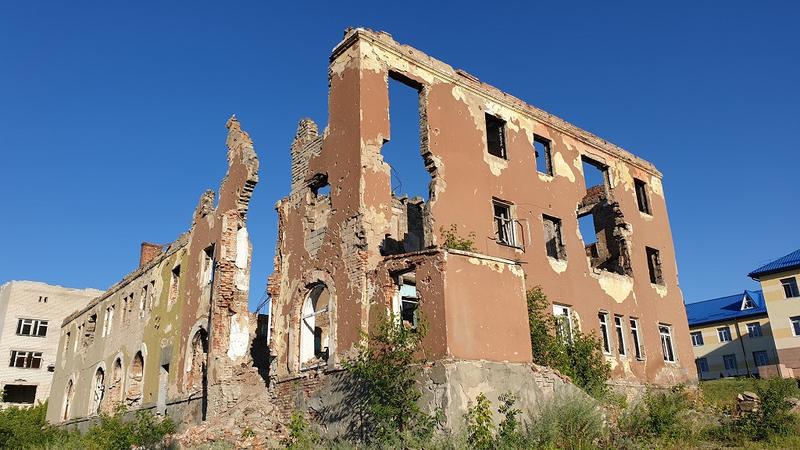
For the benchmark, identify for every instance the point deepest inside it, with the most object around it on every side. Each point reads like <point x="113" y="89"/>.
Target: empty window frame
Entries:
<point x="595" y="175"/>
<point x="543" y="150"/>
<point x="32" y="327"/>
<point x="667" y="349"/>
<point x="505" y="232"/>
<point x="88" y="330"/>
<point x="795" y="321"/>
<point x="638" y="348"/>
<point x="730" y="362"/>
<point x="26" y="360"/>
<point x="552" y="237"/>
<point x="406" y="301"/>
<point x="42" y="299"/>
<point x="654" y="266"/>
<point x="174" y="284"/>
<point x="754" y="329"/>
<point x="496" y="136"/>
<point x="108" y="322"/>
<point x="790" y="287"/>
<point x="563" y="319"/>
<point x="642" y="199"/>
<point x="208" y="265"/>
<point x="606" y="338"/>
<point x="410" y="174"/>
<point x="761" y="358"/>
<point x="19" y="393"/>
<point x="619" y="328"/>
<point x="702" y="365"/>
<point x="747" y="303"/>
<point x="315" y="327"/>
<point x="697" y="338"/>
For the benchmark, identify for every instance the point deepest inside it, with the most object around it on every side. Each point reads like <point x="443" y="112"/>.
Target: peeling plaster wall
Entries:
<point x="211" y="294"/>
<point x="453" y="104"/>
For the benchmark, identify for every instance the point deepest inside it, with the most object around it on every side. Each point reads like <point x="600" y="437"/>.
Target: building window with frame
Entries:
<point x="108" y="322"/>
<point x="790" y="287"/>
<point x="563" y="316"/>
<point x="637" y="342"/>
<point x="702" y="365"/>
<point x="754" y="329"/>
<point x="620" y="330"/>
<point x="795" y="321"/>
<point x="642" y="200"/>
<point x="724" y="334"/>
<point x="496" y="136"/>
<point x="666" y="343"/>
<point x="406" y="302"/>
<point x="543" y="153"/>
<point x="731" y="365"/>
<point x="603" y="317"/>
<point x="654" y="266"/>
<point x="315" y="327"/>
<point x="504" y="223"/>
<point x="697" y="338"/>
<point x="32" y="327"/>
<point x="761" y="358"/>
<point x="553" y="242"/>
<point x="26" y="360"/>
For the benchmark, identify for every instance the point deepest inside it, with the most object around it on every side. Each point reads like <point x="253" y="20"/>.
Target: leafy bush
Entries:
<point x="480" y="427"/>
<point x="774" y="417"/>
<point x="578" y="356"/>
<point x="386" y="367"/>
<point x="508" y="434"/>
<point x="659" y="414"/>
<point x="456" y="242"/>
<point x="570" y="421"/>
<point x="27" y="428"/>
<point x="114" y="432"/>
<point x="301" y="435"/>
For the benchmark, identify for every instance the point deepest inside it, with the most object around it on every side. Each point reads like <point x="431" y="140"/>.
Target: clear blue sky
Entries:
<point x="112" y="116"/>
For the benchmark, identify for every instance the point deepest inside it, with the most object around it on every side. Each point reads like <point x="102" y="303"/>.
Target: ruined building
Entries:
<point x="508" y="180"/>
<point x="175" y="334"/>
<point x="513" y="176"/>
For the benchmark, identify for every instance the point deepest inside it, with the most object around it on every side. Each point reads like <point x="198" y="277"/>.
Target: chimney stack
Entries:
<point x="149" y="252"/>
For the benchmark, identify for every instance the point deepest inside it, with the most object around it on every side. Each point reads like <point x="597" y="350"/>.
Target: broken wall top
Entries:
<point x="464" y="80"/>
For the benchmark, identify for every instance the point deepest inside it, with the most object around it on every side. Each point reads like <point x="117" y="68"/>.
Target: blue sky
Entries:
<point x="112" y="116"/>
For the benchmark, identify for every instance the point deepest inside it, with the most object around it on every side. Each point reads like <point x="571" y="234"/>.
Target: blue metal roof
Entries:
<point x="785" y="262"/>
<point x="725" y="308"/>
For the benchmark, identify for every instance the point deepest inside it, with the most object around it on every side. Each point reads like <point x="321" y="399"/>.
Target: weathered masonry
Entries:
<point x="519" y="179"/>
<point x="175" y="334"/>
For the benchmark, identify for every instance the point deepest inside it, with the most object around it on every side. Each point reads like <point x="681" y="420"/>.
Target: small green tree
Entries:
<point x="301" y="435"/>
<point x="386" y="367"/>
<point x="480" y="427"/>
<point x="508" y="434"/>
<point x="575" y="354"/>
<point x="454" y="241"/>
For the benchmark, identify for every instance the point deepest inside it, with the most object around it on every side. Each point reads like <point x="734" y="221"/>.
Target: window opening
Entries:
<point x="496" y="136"/>
<point x="543" y="151"/>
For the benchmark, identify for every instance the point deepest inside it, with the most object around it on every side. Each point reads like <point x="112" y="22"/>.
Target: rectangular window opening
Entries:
<point x="606" y="339"/>
<point x="642" y="200"/>
<point x="724" y="334"/>
<point x="563" y="318"/>
<point x="174" y="284"/>
<point x="754" y="329"/>
<point x="620" y="330"/>
<point x="790" y="287"/>
<point x="654" y="266"/>
<point x="761" y="358"/>
<point x="208" y="265"/>
<point x="410" y="172"/>
<point x="505" y="232"/>
<point x="543" y="151"/>
<point x="666" y="343"/>
<point x="406" y="301"/>
<point x="552" y="237"/>
<point x="496" y="136"/>
<point x="19" y="393"/>
<point x="26" y="360"/>
<point x="795" y="321"/>
<point x="697" y="338"/>
<point x="731" y="366"/>
<point x="595" y="177"/>
<point x="702" y="365"/>
<point x="637" y="342"/>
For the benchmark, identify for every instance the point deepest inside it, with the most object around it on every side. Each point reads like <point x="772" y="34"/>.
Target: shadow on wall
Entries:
<point x="733" y="350"/>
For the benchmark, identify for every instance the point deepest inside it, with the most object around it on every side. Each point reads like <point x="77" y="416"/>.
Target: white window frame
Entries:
<point x="27" y="359"/>
<point x="723" y="331"/>
<point x="35" y="326"/>
<point x="619" y="328"/>
<point x="791" y="284"/>
<point x="697" y="339"/>
<point x="754" y="330"/>
<point x="665" y="333"/>
<point x="602" y="317"/>
<point x="563" y="312"/>
<point x="505" y="229"/>
<point x="638" y="348"/>
<point x="794" y="322"/>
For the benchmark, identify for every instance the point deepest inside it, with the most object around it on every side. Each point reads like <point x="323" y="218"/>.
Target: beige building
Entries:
<point x="731" y="336"/>
<point x="779" y="282"/>
<point x="30" y="319"/>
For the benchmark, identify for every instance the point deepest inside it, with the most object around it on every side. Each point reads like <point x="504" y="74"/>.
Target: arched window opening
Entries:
<point x="114" y="395"/>
<point x="68" y="394"/>
<point x="315" y="326"/>
<point x="199" y="349"/>
<point x="98" y="389"/>
<point x="136" y="378"/>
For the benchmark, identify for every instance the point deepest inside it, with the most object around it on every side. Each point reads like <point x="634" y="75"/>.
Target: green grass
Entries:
<point x="722" y="393"/>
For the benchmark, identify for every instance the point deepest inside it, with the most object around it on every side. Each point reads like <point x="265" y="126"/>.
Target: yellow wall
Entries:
<point x="713" y="349"/>
<point x="780" y="309"/>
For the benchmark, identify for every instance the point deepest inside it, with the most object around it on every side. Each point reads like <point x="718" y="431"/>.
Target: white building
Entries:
<point x="31" y="314"/>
